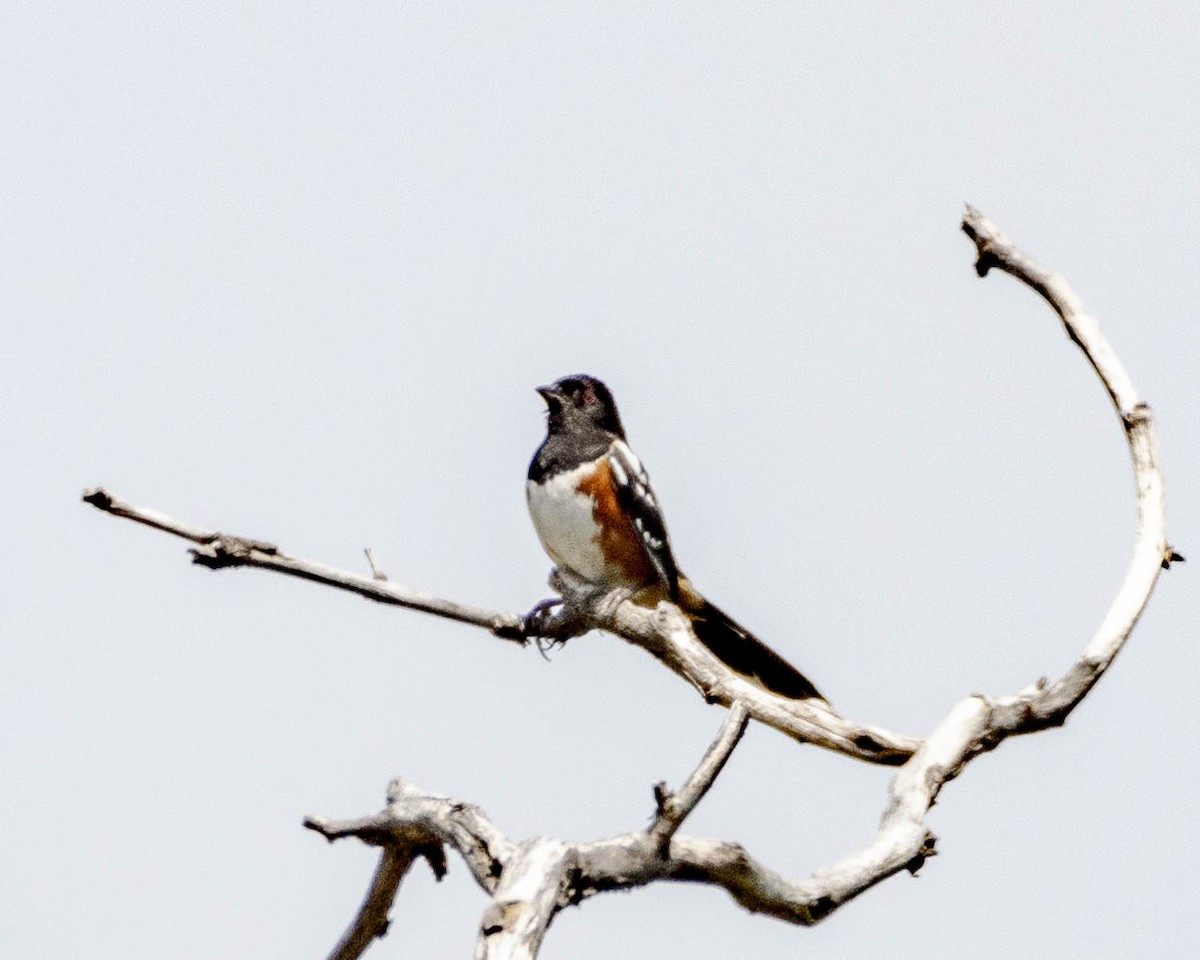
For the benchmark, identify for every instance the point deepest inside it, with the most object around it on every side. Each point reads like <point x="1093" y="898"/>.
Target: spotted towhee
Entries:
<point x="598" y="519"/>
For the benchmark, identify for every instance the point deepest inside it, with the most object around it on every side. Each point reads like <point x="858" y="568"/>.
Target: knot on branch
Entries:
<point x="98" y="497"/>
<point x="885" y="753"/>
<point x="927" y="849"/>
<point x="1139" y="416"/>
<point x="986" y="259"/>
<point x="499" y="917"/>
<point x="222" y="550"/>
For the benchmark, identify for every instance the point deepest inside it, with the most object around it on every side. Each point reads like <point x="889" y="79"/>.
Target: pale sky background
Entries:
<point x="292" y="271"/>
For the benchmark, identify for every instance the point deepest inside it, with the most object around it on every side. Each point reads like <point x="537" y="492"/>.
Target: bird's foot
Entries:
<point x="551" y="623"/>
<point x="542" y="621"/>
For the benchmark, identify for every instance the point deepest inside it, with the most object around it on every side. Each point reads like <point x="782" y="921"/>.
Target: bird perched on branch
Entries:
<point x="598" y="519"/>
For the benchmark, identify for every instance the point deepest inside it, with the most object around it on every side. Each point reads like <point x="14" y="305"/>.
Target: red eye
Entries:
<point x="589" y="395"/>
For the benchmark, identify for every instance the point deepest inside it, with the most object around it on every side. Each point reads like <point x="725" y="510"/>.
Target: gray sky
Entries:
<point x="294" y="273"/>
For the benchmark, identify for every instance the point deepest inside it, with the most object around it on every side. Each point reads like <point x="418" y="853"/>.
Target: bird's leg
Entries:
<point x="558" y="619"/>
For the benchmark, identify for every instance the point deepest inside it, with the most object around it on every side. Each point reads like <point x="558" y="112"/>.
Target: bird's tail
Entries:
<point x="741" y="651"/>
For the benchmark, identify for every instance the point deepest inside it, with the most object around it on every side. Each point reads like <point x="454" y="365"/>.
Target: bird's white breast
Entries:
<point x="566" y="525"/>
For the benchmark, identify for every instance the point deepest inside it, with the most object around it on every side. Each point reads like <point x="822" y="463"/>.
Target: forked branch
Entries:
<point x="673" y="808"/>
<point x="528" y="883"/>
<point x="975" y="725"/>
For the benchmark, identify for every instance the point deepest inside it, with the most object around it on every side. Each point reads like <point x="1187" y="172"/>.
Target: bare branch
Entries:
<point x="529" y="895"/>
<point x="673" y="808"/>
<point x="903" y="842"/>
<point x="217" y="550"/>
<point x="664" y="631"/>
<point x="402" y="844"/>
<point x="416" y="818"/>
<point x="528" y="883"/>
<point x="372" y="921"/>
<point x="102" y="500"/>
<point x="1044" y="706"/>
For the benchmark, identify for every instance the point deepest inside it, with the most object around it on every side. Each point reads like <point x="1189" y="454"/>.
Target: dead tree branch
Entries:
<point x="528" y="883"/>
<point x="372" y="921"/>
<point x="663" y="631"/>
<point x="218" y="550"/>
<point x="673" y="808"/>
<point x="975" y="725"/>
<point x="1046" y="706"/>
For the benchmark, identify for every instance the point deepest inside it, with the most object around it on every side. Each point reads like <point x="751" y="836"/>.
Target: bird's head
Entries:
<point x="581" y="401"/>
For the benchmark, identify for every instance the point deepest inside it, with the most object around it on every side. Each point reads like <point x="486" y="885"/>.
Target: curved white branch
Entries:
<point x="1049" y="705"/>
<point x="665" y="633"/>
<point x="550" y="869"/>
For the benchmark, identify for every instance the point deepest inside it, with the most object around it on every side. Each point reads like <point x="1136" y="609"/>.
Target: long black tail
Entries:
<point x="740" y="650"/>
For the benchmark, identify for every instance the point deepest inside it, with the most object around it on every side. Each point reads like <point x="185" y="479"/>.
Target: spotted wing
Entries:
<point x="637" y="499"/>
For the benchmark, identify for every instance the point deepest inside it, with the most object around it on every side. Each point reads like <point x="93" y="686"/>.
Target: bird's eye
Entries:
<point x="589" y="395"/>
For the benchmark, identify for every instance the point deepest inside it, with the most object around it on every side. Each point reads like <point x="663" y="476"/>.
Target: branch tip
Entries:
<point x="397" y="789"/>
<point x="97" y="497"/>
<point x="662" y="796"/>
<point x="321" y="826"/>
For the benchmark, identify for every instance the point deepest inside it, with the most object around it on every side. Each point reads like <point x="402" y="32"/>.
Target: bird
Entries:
<point x="598" y="519"/>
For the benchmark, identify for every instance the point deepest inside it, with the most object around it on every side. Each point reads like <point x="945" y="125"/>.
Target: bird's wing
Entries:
<point x="636" y="497"/>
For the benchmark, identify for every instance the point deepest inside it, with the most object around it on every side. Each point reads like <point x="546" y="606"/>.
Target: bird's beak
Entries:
<point x="549" y="394"/>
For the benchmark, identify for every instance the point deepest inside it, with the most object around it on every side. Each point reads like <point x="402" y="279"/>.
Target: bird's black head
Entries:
<point x="580" y="401"/>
